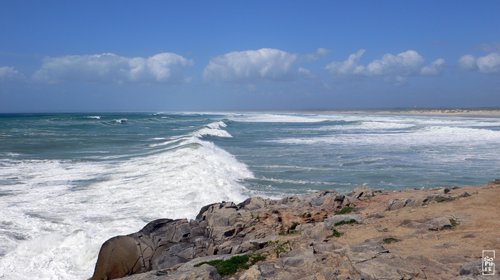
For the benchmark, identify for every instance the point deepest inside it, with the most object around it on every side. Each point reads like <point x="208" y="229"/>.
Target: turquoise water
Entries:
<point x="70" y="181"/>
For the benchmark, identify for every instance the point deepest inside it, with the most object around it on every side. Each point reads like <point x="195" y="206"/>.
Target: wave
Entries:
<point x="94" y="117"/>
<point x="279" y="118"/>
<point x="217" y="125"/>
<point x="363" y="161"/>
<point x="66" y="209"/>
<point x="213" y="129"/>
<point x="295" y="182"/>
<point x="282" y="168"/>
<point x="367" y="125"/>
<point x="121" y="121"/>
<point x="424" y="136"/>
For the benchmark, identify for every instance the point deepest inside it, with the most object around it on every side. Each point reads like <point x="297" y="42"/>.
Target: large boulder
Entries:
<point x="121" y="256"/>
<point x="161" y="244"/>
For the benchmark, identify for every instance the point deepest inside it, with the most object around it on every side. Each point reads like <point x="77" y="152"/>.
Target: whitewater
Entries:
<point x="68" y="182"/>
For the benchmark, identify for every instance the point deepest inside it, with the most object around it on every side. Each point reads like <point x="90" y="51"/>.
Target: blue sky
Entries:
<point x="247" y="55"/>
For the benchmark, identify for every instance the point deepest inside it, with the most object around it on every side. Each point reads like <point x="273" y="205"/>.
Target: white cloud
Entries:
<point x="109" y="67"/>
<point x="8" y="73"/>
<point x="397" y="66"/>
<point x="489" y="63"/>
<point x="435" y="68"/>
<point x="348" y="66"/>
<point x="304" y="72"/>
<point x="251" y="65"/>
<point x="320" y="52"/>
<point x="405" y="63"/>
<point x="467" y="62"/>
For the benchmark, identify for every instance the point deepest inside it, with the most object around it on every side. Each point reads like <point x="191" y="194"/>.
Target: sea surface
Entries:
<point x="68" y="182"/>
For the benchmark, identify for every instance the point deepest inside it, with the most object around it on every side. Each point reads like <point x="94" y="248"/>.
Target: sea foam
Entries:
<point x="60" y="212"/>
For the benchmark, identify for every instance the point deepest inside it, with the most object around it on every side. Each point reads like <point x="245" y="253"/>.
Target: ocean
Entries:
<point x="68" y="182"/>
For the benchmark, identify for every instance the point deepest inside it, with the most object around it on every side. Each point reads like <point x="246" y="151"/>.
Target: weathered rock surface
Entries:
<point x="396" y="235"/>
<point x="346" y="218"/>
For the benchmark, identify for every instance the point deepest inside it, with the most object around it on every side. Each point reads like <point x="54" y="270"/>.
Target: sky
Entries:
<point x="73" y="56"/>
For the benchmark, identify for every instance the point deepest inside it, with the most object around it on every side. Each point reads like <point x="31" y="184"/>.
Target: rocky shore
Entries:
<point x="368" y="234"/>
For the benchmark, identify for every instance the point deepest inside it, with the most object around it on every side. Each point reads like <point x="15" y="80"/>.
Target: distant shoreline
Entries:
<point x="424" y="112"/>
<point x="494" y="112"/>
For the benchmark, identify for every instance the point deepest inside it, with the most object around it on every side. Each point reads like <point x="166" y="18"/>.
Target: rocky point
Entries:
<point x="368" y="234"/>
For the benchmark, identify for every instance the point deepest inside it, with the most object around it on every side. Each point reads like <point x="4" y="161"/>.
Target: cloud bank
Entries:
<point x="399" y="65"/>
<point x="251" y="65"/>
<point x="109" y="67"/>
<point x="489" y="63"/>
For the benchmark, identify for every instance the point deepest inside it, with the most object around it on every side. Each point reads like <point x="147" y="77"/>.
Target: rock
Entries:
<point x="203" y="272"/>
<point x="440" y="223"/>
<point x="253" y="273"/>
<point x="437" y="199"/>
<point x="293" y="261"/>
<point x="464" y="194"/>
<point x="331" y="221"/>
<point x="314" y="231"/>
<point x="161" y="244"/>
<point x="292" y="238"/>
<point x="191" y="264"/>
<point x="363" y="192"/>
<point x="253" y="203"/>
<point x="374" y="261"/>
<point x="121" y="256"/>
<point x="339" y="198"/>
<point x="397" y="204"/>
<point x="471" y="268"/>
<point x="388" y="266"/>
<point x="365" y="251"/>
<point x="494" y="182"/>
<point x="267" y="269"/>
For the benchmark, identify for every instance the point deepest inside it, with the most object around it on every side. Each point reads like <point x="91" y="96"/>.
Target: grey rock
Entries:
<point x="397" y="204"/>
<point x="363" y="192"/>
<point x="161" y="244"/>
<point x="440" y="223"/>
<point x="317" y="231"/>
<point x="331" y="221"/>
<point x="267" y="269"/>
<point x="253" y="203"/>
<point x="293" y="261"/>
<point x="365" y="251"/>
<point x="388" y="266"/>
<point x="471" y="268"/>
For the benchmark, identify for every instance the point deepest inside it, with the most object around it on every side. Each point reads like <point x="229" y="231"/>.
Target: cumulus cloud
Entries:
<point x="320" y="52"/>
<point x="467" y="62"/>
<point x="489" y="63"/>
<point x="348" y="66"/>
<point x="306" y="73"/>
<point x="251" y="65"/>
<point x="398" y="66"/>
<point x="8" y="73"/>
<point x="405" y="63"/>
<point x="109" y="67"/>
<point x="435" y="68"/>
